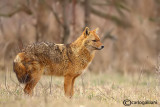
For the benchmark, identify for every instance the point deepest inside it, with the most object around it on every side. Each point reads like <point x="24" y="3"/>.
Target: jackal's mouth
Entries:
<point x="98" y="48"/>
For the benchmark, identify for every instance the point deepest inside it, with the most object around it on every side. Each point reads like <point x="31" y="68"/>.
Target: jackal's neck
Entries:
<point x="79" y="49"/>
<point x="78" y="43"/>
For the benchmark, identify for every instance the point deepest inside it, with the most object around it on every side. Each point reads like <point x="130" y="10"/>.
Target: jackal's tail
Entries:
<point x="20" y="69"/>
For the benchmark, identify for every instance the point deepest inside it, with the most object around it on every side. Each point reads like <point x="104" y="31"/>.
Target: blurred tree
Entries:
<point x="119" y="5"/>
<point x="45" y="17"/>
<point x="42" y="14"/>
<point x="74" y="14"/>
<point x="66" y="30"/>
<point x="156" y="19"/>
<point x="158" y="32"/>
<point x="87" y="12"/>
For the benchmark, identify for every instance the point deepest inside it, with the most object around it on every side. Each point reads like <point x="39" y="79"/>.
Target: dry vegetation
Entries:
<point x="97" y="90"/>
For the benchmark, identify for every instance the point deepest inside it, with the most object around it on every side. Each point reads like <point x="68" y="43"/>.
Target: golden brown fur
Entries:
<point x="56" y="59"/>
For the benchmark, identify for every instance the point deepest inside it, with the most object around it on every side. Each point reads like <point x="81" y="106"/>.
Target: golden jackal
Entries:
<point x="56" y="59"/>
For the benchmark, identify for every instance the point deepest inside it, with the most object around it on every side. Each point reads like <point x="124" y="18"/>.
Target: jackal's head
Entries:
<point x="92" y="40"/>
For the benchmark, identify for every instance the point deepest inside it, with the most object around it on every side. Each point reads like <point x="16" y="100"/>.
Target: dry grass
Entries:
<point x="100" y="90"/>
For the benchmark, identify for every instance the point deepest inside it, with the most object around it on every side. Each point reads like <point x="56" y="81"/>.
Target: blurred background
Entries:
<point x="129" y="30"/>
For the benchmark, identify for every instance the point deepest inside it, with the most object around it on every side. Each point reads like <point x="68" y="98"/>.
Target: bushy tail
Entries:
<point x="20" y="70"/>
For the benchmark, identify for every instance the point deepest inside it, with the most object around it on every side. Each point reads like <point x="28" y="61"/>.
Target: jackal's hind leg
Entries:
<point x="35" y="77"/>
<point x="30" y="86"/>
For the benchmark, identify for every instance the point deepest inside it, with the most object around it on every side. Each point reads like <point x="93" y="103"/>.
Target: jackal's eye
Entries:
<point x="94" y="40"/>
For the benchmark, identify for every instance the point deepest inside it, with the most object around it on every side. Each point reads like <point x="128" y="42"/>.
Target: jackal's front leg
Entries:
<point x="68" y="85"/>
<point x="72" y="87"/>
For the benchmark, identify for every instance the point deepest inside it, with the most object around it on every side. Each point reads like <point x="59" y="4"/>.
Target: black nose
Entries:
<point x="102" y="47"/>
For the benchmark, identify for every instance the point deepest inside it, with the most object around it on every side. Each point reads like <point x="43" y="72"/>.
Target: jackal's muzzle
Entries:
<point x="99" y="48"/>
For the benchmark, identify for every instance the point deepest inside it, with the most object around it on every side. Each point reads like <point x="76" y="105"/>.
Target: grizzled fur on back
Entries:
<point x="47" y="51"/>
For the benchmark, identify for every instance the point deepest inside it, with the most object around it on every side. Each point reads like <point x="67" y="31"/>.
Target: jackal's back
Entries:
<point x="46" y="51"/>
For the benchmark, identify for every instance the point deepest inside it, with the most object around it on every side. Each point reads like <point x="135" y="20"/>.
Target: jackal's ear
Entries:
<point x="86" y="31"/>
<point x="96" y="30"/>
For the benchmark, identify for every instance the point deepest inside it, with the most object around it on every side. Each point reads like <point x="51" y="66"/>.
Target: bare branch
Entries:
<point x="56" y="16"/>
<point x="101" y="14"/>
<point x="66" y="29"/>
<point x="20" y="43"/>
<point x="26" y="9"/>
<point x="51" y="86"/>
<point x="108" y="35"/>
<point x="11" y="13"/>
<point x="102" y="3"/>
<point x="54" y="13"/>
<point x="83" y="86"/>
<point x="2" y="28"/>
<point x="14" y="81"/>
<point x="110" y="17"/>
<point x="105" y="95"/>
<point x="20" y="8"/>
<point x="6" y="82"/>
<point x="139" y="78"/>
<point x="65" y="24"/>
<point x="74" y="14"/>
<point x="87" y="12"/>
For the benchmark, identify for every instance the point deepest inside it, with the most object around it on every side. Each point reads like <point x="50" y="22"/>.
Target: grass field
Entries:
<point x="96" y="90"/>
